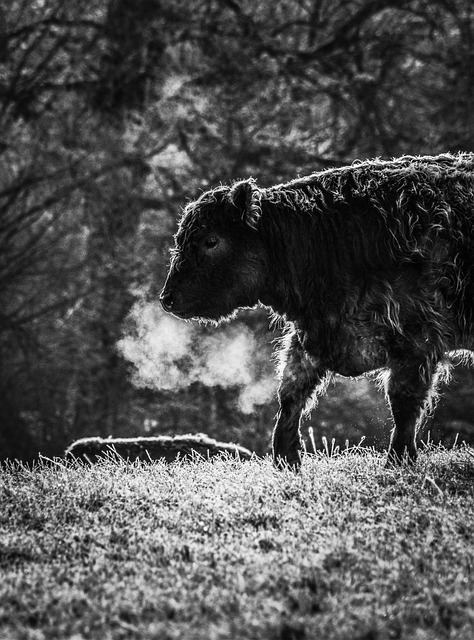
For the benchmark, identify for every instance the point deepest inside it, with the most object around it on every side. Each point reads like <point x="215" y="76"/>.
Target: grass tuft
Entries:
<point x="346" y="549"/>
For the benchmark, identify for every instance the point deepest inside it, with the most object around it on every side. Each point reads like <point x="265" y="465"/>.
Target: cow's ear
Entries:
<point x="245" y="196"/>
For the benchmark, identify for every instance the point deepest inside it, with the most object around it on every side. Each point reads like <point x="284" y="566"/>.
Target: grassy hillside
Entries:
<point x="226" y="549"/>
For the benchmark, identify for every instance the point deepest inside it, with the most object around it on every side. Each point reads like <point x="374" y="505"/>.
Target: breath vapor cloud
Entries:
<point x="170" y="354"/>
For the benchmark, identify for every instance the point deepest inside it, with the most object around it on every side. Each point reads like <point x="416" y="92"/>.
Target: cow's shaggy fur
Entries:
<point x="370" y="265"/>
<point x="165" y="448"/>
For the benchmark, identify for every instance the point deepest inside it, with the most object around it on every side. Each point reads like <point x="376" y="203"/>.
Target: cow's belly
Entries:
<point x="357" y="355"/>
<point x="353" y="353"/>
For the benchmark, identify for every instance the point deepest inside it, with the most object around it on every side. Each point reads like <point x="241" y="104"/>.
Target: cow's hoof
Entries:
<point x="287" y="462"/>
<point x="397" y="459"/>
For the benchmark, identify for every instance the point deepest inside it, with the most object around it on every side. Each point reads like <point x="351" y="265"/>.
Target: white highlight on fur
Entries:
<point x="171" y="354"/>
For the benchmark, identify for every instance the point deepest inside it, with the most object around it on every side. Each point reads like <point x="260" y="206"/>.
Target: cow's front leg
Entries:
<point x="302" y="377"/>
<point x="411" y="390"/>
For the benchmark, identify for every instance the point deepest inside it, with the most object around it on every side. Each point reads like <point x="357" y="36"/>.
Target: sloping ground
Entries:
<point x="235" y="549"/>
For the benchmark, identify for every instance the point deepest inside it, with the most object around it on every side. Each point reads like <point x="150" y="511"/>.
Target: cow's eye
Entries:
<point x="211" y="242"/>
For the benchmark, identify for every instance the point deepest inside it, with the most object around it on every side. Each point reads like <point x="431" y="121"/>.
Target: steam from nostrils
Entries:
<point x="171" y="354"/>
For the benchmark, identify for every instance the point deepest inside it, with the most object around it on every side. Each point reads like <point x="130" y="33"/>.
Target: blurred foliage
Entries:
<point x="113" y="113"/>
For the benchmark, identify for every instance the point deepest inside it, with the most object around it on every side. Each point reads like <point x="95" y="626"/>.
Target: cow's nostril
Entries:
<point x="167" y="301"/>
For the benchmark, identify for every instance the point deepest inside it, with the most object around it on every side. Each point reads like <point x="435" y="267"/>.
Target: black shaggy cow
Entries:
<point x="371" y="266"/>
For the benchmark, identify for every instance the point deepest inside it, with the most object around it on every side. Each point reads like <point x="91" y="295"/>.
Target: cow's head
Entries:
<point x="218" y="263"/>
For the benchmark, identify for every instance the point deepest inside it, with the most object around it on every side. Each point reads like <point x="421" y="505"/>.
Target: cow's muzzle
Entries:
<point x="167" y="300"/>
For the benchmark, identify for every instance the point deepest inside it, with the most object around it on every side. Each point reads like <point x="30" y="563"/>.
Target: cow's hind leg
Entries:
<point x="302" y="378"/>
<point x="411" y="391"/>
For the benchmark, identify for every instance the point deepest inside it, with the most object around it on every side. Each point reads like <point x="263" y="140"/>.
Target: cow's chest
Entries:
<point x="347" y="349"/>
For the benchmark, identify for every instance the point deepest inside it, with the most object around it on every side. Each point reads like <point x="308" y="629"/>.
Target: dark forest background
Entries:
<point x="114" y="112"/>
